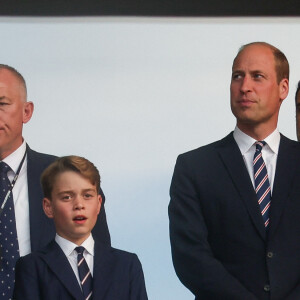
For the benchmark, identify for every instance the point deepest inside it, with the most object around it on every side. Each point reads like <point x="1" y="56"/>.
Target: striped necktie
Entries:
<point x="85" y="275"/>
<point x="9" y="251"/>
<point x="262" y="184"/>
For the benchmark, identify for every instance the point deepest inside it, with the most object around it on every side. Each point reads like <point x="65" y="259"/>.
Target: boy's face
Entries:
<point x="74" y="206"/>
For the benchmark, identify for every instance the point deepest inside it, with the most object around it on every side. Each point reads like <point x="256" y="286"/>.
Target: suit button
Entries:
<point x="270" y="254"/>
<point x="267" y="288"/>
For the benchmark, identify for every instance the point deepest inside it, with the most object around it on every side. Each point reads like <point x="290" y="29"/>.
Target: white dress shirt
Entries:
<point x="20" y="195"/>
<point x="269" y="152"/>
<point x="69" y="250"/>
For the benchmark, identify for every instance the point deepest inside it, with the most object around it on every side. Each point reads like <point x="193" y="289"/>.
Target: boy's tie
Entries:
<point x="85" y="275"/>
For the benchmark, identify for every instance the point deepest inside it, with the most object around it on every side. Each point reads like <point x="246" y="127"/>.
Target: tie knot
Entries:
<point x="80" y="250"/>
<point x="259" y="145"/>
<point x="4" y="168"/>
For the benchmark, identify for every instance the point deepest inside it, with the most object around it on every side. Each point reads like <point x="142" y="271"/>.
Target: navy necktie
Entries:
<point x="262" y="184"/>
<point x="85" y="275"/>
<point x="9" y="247"/>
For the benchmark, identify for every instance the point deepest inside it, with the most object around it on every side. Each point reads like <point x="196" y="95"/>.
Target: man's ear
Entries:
<point x="283" y="88"/>
<point x="27" y="111"/>
<point x="47" y="206"/>
<point x="99" y="204"/>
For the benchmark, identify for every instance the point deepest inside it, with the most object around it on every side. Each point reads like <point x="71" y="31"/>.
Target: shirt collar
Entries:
<point x="68" y="247"/>
<point x="245" y="142"/>
<point x="14" y="159"/>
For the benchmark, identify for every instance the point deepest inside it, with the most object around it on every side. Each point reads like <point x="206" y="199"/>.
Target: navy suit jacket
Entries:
<point x="42" y="229"/>
<point x="48" y="275"/>
<point x="220" y="247"/>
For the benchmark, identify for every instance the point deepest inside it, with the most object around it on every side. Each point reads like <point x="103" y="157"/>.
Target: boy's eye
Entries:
<point x="66" y="197"/>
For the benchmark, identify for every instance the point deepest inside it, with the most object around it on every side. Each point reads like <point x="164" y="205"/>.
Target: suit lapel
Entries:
<point x="287" y="162"/>
<point x="234" y="163"/>
<point x="102" y="277"/>
<point x="60" y="266"/>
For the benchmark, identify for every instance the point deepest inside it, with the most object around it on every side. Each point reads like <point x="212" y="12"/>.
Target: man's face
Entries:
<point x="255" y="94"/>
<point x="14" y="111"/>
<point x="74" y="206"/>
<point x="298" y="116"/>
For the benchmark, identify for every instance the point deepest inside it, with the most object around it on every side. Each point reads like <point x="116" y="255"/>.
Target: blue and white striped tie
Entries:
<point x="85" y="275"/>
<point x="262" y="184"/>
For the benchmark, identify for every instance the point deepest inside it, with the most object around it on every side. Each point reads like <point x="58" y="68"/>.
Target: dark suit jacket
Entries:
<point x="220" y="247"/>
<point x="48" y="275"/>
<point x="42" y="229"/>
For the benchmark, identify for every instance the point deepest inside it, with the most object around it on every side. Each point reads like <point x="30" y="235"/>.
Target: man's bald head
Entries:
<point x="20" y="80"/>
<point x="281" y="63"/>
<point x="15" y="110"/>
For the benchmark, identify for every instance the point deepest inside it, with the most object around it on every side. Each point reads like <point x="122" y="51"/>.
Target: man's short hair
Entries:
<point x="17" y="74"/>
<point x="73" y="163"/>
<point x="281" y="63"/>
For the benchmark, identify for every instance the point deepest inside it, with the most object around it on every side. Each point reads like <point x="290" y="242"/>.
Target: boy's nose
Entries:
<point x="78" y="203"/>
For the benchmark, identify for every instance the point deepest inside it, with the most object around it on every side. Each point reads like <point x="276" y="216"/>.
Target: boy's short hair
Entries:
<point x="72" y="163"/>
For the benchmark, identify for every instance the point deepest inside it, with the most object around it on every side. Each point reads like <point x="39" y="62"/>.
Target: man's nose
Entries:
<point x="246" y="84"/>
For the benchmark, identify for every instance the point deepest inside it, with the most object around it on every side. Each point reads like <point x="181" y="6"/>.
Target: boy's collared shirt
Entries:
<point x="69" y="250"/>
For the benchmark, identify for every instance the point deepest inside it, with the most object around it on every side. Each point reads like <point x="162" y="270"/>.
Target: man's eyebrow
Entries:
<point x="4" y="97"/>
<point x="238" y="71"/>
<point x="256" y="71"/>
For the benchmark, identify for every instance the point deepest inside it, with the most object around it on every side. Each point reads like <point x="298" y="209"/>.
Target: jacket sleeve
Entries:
<point x="137" y="283"/>
<point x="193" y="259"/>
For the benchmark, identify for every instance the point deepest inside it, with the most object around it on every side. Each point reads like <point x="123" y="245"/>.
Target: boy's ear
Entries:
<point x="47" y="206"/>
<point x="100" y="204"/>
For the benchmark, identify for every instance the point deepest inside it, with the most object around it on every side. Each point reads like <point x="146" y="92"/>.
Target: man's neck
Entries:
<point x="5" y="152"/>
<point x="259" y="133"/>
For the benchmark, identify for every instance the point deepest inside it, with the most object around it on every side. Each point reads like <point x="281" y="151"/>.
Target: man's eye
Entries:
<point x="3" y="103"/>
<point x="88" y="195"/>
<point x="258" y="76"/>
<point x="236" y="76"/>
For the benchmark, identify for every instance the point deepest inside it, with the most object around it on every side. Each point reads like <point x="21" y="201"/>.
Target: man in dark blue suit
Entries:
<point x="33" y="229"/>
<point x="72" y="200"/>
<point x="229" y="240"/>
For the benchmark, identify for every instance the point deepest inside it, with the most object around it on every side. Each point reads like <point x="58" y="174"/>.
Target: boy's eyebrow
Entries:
<point x="90" y="190"/>
<point x="65" y="192"/>
<point x="72" y="192"/>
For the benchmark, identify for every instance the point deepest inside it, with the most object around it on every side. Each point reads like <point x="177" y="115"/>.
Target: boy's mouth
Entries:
<point x="79" y="219"/>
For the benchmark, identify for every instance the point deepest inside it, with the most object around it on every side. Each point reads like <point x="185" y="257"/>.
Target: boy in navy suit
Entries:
<point x="74" y="266"/>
